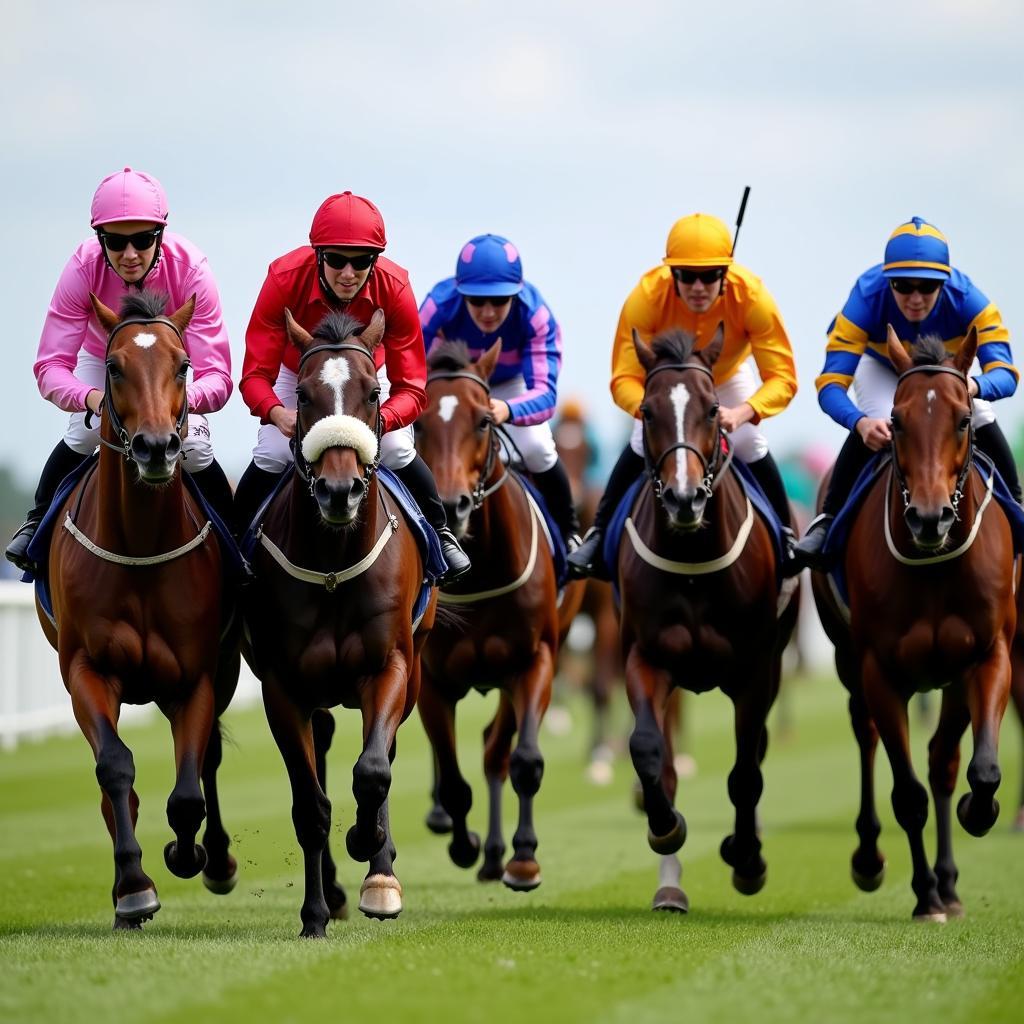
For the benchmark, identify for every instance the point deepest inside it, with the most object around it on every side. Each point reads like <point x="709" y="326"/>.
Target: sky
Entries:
<point x="580" y="130"/>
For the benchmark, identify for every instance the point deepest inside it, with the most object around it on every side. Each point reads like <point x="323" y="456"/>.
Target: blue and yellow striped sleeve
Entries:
<point x="999" y="377"/>
<point x="846" y="345"/>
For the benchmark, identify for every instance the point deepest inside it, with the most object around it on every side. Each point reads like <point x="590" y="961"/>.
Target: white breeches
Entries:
<point x="273" y="454"/>
<point x="748" y="442"/>
<point x="535" y="442"/>
<point x="874" y="385"/>
<point x="197" y="450"/>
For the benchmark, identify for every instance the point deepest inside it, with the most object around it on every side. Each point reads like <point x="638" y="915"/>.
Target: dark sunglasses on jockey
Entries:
<point x="909" y="285"/>
<point x="709" y="277"/>
<point x="338" y="261"/>
<point x="497" y="301"/>
<point x="140" y="241"/>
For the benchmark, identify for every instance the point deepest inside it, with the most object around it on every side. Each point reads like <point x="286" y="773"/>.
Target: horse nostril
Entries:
<point x="141" y="449"/>
<point x="173" y="447"/>
<point x="356" y="492"/>
<point x="463" y="506"/>
<point x="946" y="519"/>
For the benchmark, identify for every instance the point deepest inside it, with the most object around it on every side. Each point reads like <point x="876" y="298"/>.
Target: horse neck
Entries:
<point x="307" y="540"/>
<point x="496" y="527"/>
<point x="133" y="518"/>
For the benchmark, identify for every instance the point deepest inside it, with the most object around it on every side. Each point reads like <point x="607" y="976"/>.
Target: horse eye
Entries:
<point x="897" y="424"/>
<point x="374" y="397"/>
<point x="183" y="369"/>
<point x="713" y="411"/>
<point x="484" y="423"/>
<point x="645" y="411"/>
<point x="302" y="395"/>
<point x="114" y="370"/>
<point x="964" y="423"/>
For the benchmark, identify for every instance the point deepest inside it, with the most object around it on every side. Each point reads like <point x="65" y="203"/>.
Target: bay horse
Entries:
<point x="330" y="616"/>
<point x="512" y="622"/>
<point x="139" y="613"/>
<point x="930" y="607"/>
<point x="699" y="603"/>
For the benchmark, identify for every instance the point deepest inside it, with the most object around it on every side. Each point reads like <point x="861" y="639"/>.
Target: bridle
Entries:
<point x="302" y="467"/>
<point x="116" y="423"/>
<point x="965" y="469"/>
<point x="712" y="469"/>
<point x="480" y="491"/>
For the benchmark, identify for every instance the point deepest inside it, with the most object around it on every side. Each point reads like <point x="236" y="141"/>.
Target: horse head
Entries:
<point x="680" y="415"/>
<point x="145" y="403"/>
<point x="931" y="433"/>
<point x="337" y="428"/>
<point x="455" y="433"/>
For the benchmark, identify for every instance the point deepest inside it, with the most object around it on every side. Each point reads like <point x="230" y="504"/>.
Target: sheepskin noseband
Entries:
<point x="340" y="431"/>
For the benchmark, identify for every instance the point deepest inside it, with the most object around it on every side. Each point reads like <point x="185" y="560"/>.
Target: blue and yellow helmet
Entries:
<point x="489" y="265"/>
<point x="917" y="249"/>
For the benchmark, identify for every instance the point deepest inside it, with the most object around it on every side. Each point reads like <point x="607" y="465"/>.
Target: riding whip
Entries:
<point x="739" y="217"/>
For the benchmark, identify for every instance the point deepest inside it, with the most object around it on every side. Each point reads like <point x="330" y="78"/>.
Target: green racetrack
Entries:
<point x="583" y="947"/>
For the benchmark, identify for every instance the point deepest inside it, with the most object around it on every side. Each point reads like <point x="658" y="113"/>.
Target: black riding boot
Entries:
<point x="420" y="481"/>
<point x="252" y="490"/>
<point x="852" y="458"/>
<point x="556" y="491"/>
<point x="217" y="491"/>
<point x="992" y="441"/>
<point x="62" y="461"/>
<point x="588" y="558"/>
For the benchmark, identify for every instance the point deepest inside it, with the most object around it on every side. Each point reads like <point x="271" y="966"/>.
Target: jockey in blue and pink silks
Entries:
<point x="488" y="299"/>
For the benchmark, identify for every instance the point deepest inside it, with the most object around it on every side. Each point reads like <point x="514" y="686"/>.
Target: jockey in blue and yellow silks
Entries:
<point x="917" y="291"/>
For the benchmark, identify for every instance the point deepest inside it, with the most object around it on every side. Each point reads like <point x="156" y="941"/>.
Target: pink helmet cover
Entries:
<point x="129" y="195"/>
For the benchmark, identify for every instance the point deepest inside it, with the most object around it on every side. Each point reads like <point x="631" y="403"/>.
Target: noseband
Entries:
<point x="961" y="480"/>
<point x="116" y="423"/>
<point x="302" y="467"/>
<point x="712" y="469"/>
<point x="481" y="490"/>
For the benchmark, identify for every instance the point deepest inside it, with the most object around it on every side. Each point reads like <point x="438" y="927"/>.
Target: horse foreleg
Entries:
<point x="648" y="690"/>
<point x="742" y="850"/>
<point x="988" y="691"/>
<point x="221" y="871"/>
<point x="943" y="766"/>
<point x="530" y="696"/>
<point x="384" y="705"/>
<point x="311" y="810"/>
<point x="909" y="798"/>
<point x="497" y="745"/>
<point x="437" y="712"/>
<point x="323" y="733"/>
<point x="191" y="724"/>
<point x="380" y="895"/>
<point x="438" y="820"/>
<point x="867" y="865"/>
<point x="1017" y="693"/>
<point x="96" y="710"/>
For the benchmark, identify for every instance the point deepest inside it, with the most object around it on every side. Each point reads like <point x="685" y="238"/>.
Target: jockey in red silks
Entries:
<point x="343" y="269"/>
<point x="132" y="249"/>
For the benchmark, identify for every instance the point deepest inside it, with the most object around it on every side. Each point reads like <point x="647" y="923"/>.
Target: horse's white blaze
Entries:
<point x="144" y="339"/>
<point x="680" y="398"/>
<point x="447" y="407"/>
<point x="931" y="398"/>
<point x="335" y="374"/>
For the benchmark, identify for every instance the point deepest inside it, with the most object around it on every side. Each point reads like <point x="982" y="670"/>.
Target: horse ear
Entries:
<point x="374" y="331"/>
<point x="713" y="349"/>
<point x="107" y="317"/>
<point x="299" y="336"/>
<point x="181" y="317"/>
<point x="898" y="355"/>
<point x="968" y="350"/>
<point x="489" y="360"/>
<point x="644" y="352"/>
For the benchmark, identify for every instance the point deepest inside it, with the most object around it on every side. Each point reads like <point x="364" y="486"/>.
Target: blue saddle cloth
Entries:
<point x="763" y="507"/>
<point x="39" y="549"/>
<point x="556" y="542"/>
<point x="434" y="565"/>
<point x="839" y="531"/>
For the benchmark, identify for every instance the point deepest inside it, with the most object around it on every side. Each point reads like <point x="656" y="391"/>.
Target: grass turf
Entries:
<point x="583" y="947"/>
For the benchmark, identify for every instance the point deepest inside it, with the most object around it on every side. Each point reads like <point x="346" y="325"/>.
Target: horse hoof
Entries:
<point x="673" y="841"/>
<point x="749" y="886"/>
<point x="672" y="899"/>
<point x="120" y="925"/>
<point x="465" y="856"/>
<point x="135" y="908"/>
<point x="182" y="869"/>
<point x="438" y="820"/>
<point x="313" y="931"/>
<point x="931" y="917"/>
<point x="521" y="875"/>
<point x="380" y="897"/>
<point x="490" y="871"/>
<point x="975" y="828"/>
<point x="954" y="908"/>
<point x="221" y="886"/>
<point x="867" y="883"/>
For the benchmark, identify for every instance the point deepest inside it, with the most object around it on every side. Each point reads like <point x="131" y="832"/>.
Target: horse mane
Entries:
<point x="449" y="355"/>
<point x="148" y="304"/>
<point x="336" y="328"/>
<point x="929" y="351"/>
<point x="674" y="344"/>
